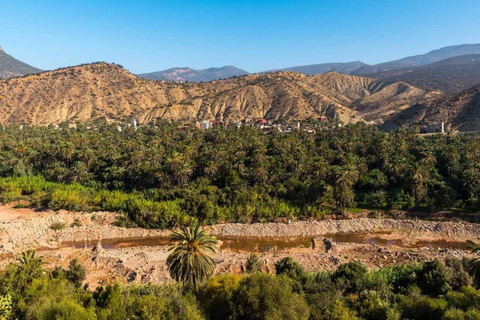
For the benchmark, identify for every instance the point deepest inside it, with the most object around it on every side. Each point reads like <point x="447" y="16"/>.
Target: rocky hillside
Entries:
<point x="101" y="90"/>
<point x="11" y="67"/>
<point x="191" y="75"/>
<point x="449" y="76"/>
<point x="459" y="111"/>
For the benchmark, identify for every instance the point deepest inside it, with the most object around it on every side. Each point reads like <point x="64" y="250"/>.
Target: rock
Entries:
<point x="328" y="244"/>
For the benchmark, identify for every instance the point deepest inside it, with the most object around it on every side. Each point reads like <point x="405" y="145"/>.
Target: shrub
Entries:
<point x="290" y="268"/>
<point x="76" y="273"/>
<point x="215" y="296"/>
<point x="418" y="307"/>
<point x="350" y="276"/>
<point x="76" y="223"/>
<point x="459" y="276"/>
<point x="253" y="263"/>
<point x="434" y="278"/>
<point x="57" y="226"/>
<point x="466" y="298"/>
<point x="263" y="296"/>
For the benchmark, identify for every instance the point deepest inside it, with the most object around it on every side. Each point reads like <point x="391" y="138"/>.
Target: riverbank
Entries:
<point x="136" y="255"/>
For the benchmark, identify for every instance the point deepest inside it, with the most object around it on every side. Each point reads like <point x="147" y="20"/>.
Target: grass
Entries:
<point x="57" y="226"/>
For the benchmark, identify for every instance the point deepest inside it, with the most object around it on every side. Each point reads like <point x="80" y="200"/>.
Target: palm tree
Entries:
<point x="30" y="268"/>
<point x="189" y="261"/>
<point x="474" y="264"/>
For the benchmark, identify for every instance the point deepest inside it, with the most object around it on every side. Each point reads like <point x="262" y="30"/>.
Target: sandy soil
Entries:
<point x="133" y="256"/>
<point x="7" y="213"/>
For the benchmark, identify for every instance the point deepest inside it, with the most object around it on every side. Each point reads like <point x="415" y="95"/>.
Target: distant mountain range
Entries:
<point x="11" y="67"/>
<point x="420" y="60"/>
<point x="448" y="76"/>
<point x="191" y="75"/>
<point x="342" y="67"/>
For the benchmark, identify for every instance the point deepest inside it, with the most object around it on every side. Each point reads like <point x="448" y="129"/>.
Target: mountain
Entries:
<point x="11" y="67"/>
<point x="460" y="111"/>
<point x="419" y="60"/>
<point x="449" y="76"/>
<point x="342" y="67"/>
<point x="191" y="75"/>
<point x="102" y="90"/>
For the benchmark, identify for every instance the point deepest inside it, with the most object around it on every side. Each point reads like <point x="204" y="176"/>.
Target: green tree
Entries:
<point x="189" y="260"/>
<point x="267" y="297"/>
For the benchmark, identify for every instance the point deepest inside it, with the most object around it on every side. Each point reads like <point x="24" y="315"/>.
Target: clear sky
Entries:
<point x="254" y="35"/>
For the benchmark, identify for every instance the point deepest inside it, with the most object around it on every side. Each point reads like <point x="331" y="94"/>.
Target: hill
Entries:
<point x="101" y="90"/>
<point x="191" y="75"/>
<point x="11" y="67"/>
<point x="449" y="76"/>
<point x="342" y="67"/>
<point x="419" y="60"/>
<point x="459" y="111"/>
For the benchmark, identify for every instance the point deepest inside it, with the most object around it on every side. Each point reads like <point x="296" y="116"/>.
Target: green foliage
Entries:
<point x="216" y="296"/>
<point x="434" y="278"/>
<point x="28" y="292"/>
<point x="6" y="307"/>
<point x="350" y="276"/>
<point x="253" y="264"/>
<point x="145" y="302"/>
<point x="418" y="307"/>
<point x="189" y="260"/>
<point x="262" y="296"/>
<point x="160" y="176"/>
<point x="290" y="268"/>
<point x="57" y="226"/>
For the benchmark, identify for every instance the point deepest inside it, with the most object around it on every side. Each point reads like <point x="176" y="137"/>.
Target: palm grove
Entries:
<point x="162" y="176"/>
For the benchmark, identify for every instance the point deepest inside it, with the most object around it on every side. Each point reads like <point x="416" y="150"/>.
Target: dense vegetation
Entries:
<point x="164" y="176"/>
<point x="428" y="290"/>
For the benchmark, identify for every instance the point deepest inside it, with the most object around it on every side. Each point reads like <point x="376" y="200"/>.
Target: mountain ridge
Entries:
<point x="421" y="59"/>
<point x="182" y="74"/>
<point x="449" y="75"/>
<point x="100" y="90"/>
<point x="11" y="67"/>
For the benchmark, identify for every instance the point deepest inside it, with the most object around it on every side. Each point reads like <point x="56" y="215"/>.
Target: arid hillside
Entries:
<point x="101" y="90"/>
<point x="460" y="111"/>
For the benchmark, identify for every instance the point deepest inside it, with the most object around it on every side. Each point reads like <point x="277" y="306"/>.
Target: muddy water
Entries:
<point x="264" y="244"/>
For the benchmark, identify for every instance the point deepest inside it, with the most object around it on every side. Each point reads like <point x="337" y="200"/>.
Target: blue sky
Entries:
<point x="257" y="35"/>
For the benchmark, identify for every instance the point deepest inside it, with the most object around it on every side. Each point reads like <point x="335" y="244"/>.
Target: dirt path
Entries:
<point x="7" y="213"/>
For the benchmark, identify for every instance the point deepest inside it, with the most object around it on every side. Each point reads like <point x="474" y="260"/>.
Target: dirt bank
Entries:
<point x="138" y="255"/>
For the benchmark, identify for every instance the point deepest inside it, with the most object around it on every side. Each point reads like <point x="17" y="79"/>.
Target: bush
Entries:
<point x="253" y="264"/>
<point x="289" y="267"/>
<point x="57" y="226"/>
<point x="434" y="278"/>
<point x="76" y="273"/>
<point x="465" y="299"/>
<point x="268" y="297"/>
<point x="459" y="276"/>
<point x="418" y="307"/>
<point x="350" y="276"/>
<point x="215" y="296"/>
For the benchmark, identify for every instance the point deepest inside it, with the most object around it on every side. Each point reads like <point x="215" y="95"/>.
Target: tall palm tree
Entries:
<point x="189" y="260"/>
<point x="474" y="264"/>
